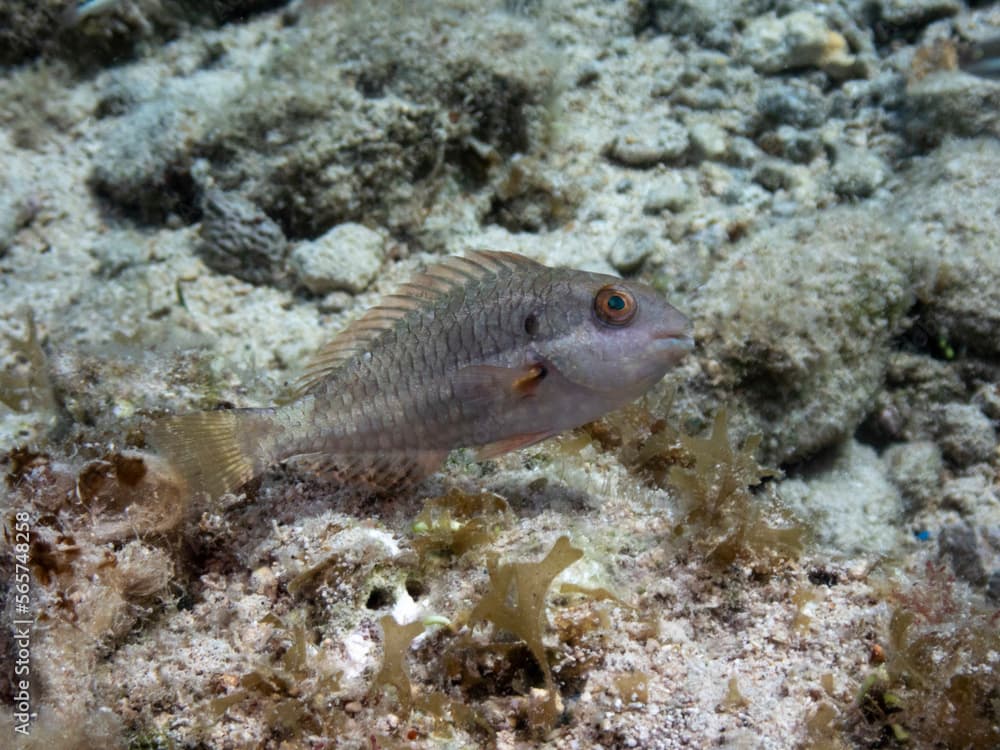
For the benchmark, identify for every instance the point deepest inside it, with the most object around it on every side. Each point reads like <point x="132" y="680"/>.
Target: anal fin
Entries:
<point x="513" y="443"/>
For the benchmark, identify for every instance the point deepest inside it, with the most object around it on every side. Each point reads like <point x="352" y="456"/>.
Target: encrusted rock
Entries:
<point x="27" y="27"/>
<point x="858" y="173"/>
<point x="240" y="239"/>
<point x="966" y="434"/>
<point x="987" y="398"/>
<point x="800" y="39"/>
<point x="143" y="164"/>
<point x="12" y="216"/>
<point x="345" y="258"/>
<point x="993" y="587"/>
<point x="713" y="22"/>
<point x="914" y="13"/>
<point x="951" y="103"/>
<point x="965" y="494"/>
<point x="963" y="307"/>
<point x="957" y="543"/>
<point x="803" y="334"/>
<point x="313" y="151"/>
<point x="852" y="505"/>
<point x="915" y="468"/>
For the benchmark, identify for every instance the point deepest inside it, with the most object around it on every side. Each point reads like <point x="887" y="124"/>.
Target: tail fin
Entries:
<point x="217" y="451"/>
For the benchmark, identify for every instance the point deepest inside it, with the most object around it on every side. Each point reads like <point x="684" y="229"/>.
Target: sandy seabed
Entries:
<point x="195" y="197"/>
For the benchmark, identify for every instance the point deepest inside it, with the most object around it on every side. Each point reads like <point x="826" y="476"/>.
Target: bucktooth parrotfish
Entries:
<point x="493" y="351"/>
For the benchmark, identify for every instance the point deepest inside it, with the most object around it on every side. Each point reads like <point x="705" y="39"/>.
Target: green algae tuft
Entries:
<point x="722" y="515"/>
<point x="452" y="524"/>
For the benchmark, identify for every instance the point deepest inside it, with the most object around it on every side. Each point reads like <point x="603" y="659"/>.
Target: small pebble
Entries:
<point x="993" y="587"/>
<point x="965" y="494"/>
<point x="335" y="302"/>
<point x="792" y="102"/>
<point x="857" y="173"/>
<point x="797" y="40"/>
<point x="630" y="250"/>
<point x="792" y="143"/>
<point x="239" y="239"/>
<point x="671" y="192"/>
<point x="915" y="468"/>
<point x="958" y="544"/>
<point x="966" y="434"/>
<point x="587" y="74"/>
<point x="701" y="97"/>
<point x="708" y="141"/>
<point x="743" y="152"/>
<point x="346" y="258"/>
<point x="649" y="141"/>
<point x="774" y="175"/>
<point x="264" y="582"/>
<point x="987" y="398"/>
<point x="915" y="13"/>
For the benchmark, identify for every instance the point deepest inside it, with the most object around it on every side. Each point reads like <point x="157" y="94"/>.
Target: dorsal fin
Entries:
<point x="437" y="281"/>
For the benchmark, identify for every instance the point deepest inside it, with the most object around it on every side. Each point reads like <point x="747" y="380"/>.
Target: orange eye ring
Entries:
<point x="614" y="305"/>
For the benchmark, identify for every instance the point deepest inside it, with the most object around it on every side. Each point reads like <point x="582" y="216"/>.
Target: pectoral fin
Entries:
<point x="528" y="383"/>
<point x="478" y="383"/>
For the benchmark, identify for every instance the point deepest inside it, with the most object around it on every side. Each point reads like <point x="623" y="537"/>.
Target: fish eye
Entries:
<point x="614" y="306"/>
<point x="531" y="324"/>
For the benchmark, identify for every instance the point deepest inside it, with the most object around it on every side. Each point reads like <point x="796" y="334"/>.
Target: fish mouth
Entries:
<point x="673" y="341"/>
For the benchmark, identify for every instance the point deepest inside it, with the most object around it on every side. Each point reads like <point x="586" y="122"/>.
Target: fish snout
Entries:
<point x="674" y="336"/>
<point x="673" y="325"/>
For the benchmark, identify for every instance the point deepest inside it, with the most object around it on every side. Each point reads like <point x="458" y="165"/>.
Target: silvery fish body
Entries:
<point x="493" y="351"/>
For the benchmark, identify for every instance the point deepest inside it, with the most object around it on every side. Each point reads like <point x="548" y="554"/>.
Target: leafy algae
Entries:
<point x="516" y="603"/>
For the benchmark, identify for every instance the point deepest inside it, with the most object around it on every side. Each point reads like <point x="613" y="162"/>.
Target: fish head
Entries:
<point x="618" y="337"/>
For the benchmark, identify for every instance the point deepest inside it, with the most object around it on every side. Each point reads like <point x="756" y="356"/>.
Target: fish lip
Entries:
<point x="674" y="339"/>
<point x="671" y="348"/>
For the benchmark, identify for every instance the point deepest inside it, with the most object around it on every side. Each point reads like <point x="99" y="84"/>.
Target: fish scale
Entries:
<point x="449" y="361"/>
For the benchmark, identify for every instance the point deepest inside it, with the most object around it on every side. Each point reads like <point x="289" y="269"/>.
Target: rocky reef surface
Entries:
<point x="794" y="540"/>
